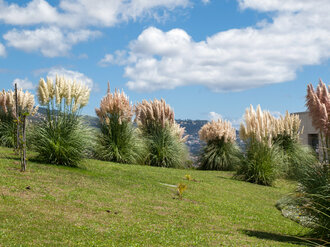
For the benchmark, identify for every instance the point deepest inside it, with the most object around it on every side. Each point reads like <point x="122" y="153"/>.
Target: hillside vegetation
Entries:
<point x="108" y="204"/>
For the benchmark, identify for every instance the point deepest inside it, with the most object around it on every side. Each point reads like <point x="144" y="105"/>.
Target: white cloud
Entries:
<point x="237" y="59"/>
<point x="214" y="116"/>
<point x="205" y="1"/>
<point x="25" y="84"/>
<point x="54" y="38"/>
<point x="119" y="57"/>
<point x="72" y="75"/>
<point x="2" y="50"/>
<point x="51" y="42"/>
<point x="78" y="13"/>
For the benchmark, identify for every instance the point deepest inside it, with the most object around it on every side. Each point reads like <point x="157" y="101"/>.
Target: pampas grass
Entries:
<point x="318" y="104"/>
<point x="220" y="151"/>
<point x="118" y="140"/>
<point x="61" y="138"/>
<point x="164" y="138"/>
<point x="8" y="118"/>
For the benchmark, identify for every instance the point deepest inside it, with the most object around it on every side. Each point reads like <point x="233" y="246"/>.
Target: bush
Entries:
<point x="310" y="205"/>
<point x="220" y="151"/>
<point x="164" y="138"/>
<point x="261" y="164"/>
<point x="119" y="142"/>
<point x="7" y="131"/>
<point x="296" y="155"/>
<point x="164" y="148"/>
<point x="219" y="155"/>
<point x="62" y="138"/>
<point x="63" y="142"/>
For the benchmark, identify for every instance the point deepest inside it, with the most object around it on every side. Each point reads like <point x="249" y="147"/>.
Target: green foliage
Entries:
<point x="164" y="147"/>
<point x="261" y="163"/>
<point x="7" y="130"/>
<point x="219" y="155"/>
<point x="119" y="142"/>
<point x="65" y="141"/>
<point x="296" y="155"/>
<point x="311" y="200"/>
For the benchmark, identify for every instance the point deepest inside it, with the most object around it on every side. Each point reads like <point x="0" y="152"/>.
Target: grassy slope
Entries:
<point x="68" y="207"/>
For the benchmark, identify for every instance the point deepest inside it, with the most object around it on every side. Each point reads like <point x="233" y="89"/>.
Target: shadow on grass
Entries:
<point x="36" y="160"/>
<point x="279" y="237"/>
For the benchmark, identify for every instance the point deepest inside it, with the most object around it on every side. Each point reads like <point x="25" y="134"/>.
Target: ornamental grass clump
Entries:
<point x="61" y="138"/>
<point x="318" y="104"/>
<point x="8" y="114"/>
<point x="164" y="138"/>
<point x="220" y="151"/>
<point x="310" y="204"/>
<point x="286" y="134"/>
<point x="118" y="140"/>
<point x="262" y="161"/>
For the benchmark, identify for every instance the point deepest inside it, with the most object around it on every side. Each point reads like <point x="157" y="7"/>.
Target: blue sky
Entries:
<point x="205" y="58"/>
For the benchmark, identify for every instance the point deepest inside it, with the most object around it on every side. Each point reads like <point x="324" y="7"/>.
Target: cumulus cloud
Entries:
<point x="25" y="84"/>
<point x="72" y="75"/>
<point x="51" y="42"/>
<point x="237" y="59"/>
<point x="78" y="13"/>
<point x="214" y="116"/>
<point x="119" y="58"/>
<point x="55" y="36"/>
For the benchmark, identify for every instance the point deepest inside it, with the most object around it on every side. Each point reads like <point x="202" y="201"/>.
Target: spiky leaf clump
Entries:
<point x="8" y="120"/>
<point x="220" y="151"/>
<point x="310" y="204"/>
<point x="62" y="138"/>
<point x="261" y="164"/>
<point x="117" y="140"/>
<point x="318" y="103"/>
<point x="63" y="142"/>
<point x="163" y="137"/>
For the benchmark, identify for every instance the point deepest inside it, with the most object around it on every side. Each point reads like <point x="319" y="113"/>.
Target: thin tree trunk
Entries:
<point x="23" y="163"/>
<point x="17" y="120"/>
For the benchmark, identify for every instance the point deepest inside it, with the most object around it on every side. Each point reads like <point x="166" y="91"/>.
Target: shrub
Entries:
<point x="220" y="151"/>
<point x="61" y="138"/>
<point x="310" y="204"/>
<point x="296" y="155"/>
<point x="318" y="103"/>
<point x="163" y="137"/>
<point x="263" y="161"/>
<point x="261" y="164"/>
<point x="117" y="140"/>
<point x="64" y="142"/>
<point x="8" y="121"/>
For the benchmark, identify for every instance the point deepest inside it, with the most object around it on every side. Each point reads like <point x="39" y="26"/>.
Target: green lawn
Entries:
<point x="106" y="204"/>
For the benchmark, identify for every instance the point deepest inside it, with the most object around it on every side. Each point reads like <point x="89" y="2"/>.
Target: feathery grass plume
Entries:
<point x="26" y="105"/>
<point x="262" y="161"/>
<point x="258" y="126"/>
<point x="62" y="138"/>
<point x="164" y="138"/>
<point x="220" y="151"/>
<point x="318" y="104"/>
<point x="296" y="155"/>
<point x="118" y="140"/>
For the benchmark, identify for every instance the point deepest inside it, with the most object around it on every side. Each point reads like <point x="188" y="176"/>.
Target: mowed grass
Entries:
<point x="107" y="204"/>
